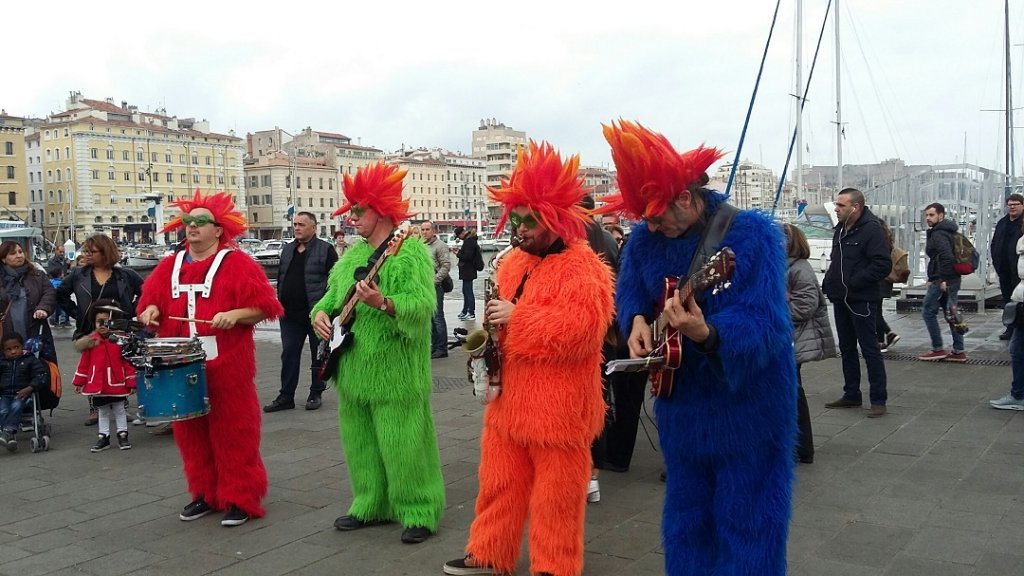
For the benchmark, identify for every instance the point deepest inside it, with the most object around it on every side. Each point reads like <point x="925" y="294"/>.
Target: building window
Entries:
<point x="330" y="183"/>
<point x="113" y="199"/>
<point x="207" y="160"/>
<point x="267" y="200"/>
<point x="67" y="172"/>
<point x="184" y="179"/>
<point x="220" y="179"/>
<point x="124" y="155"/>
<point x="110" y="174"/>
<point x="49" y="174"/>
<point x="110" y="153"/>
<point x="195" y="178"/>
<point x="298" y="183"/>
<point x="156" y="176"/>
<point x="181" y="158"/>
<point x="12" y="198"/>
<point x="65" y="132"/>
<point x="93" y="153"/>
<point x="10" y="172"/>
<point x="321" y="183"/>
<point x="209" y="179"/>
<point x="113" y="219"/>
<point x="233" y="180"/>
<point x="195" y="159"/>
<point x="153" y="157"/>
<point x="56" y="153"/>
<point x="67" y="152"/>
<point x="309" y="182"/>
<point x="287" y="181"/>
<point x="321" y="202"/>
<point x="142" y="176"/>
<point x="170" y="177"/>
<point x="255" y="217"/>
<point x="59" y="175"/>
<point x="140" y="156"/>
<point x="265" y="180"/>
<point x="167" y="157"/>
<point x="95" y="174"/>
<point x="127" y="176"/>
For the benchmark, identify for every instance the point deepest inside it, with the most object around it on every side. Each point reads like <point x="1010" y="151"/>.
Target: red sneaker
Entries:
<point x="934" y="355"/>
<point x="956" y="357"/>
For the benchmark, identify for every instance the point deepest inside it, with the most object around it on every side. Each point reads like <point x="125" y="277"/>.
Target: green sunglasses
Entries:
<point x="199" y="221"/>
<point x="516" y="221"/>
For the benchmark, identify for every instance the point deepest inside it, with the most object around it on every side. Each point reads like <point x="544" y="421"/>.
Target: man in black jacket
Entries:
<point x="943" y="283"/>
<point x="301" y="282"/>
<point x="470" y="259"/>
<point x="860" y="259"/>
<point x="1004" y="250"/>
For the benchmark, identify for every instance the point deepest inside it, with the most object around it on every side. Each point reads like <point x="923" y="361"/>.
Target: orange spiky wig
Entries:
<point x="551" y="189"/>
<point x="378" y="187"/>
<point x="651" y="174"/>
<point x="231" y="221"/>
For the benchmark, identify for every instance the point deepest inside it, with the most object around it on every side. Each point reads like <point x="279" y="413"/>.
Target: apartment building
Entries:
<point x="13" y="171"/>
<point x="753" y="185"/>
<point x="103" y="166"/>
<point x="496" y="144"/>
<point x="445" y="187"/>
<point x="287" y="173"/>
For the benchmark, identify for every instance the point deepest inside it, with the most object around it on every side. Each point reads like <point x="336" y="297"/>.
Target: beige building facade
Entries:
<point x="288" y="173"/>
<point x="103" y="166"/>
<point x="446" y="188"/>
<point x="13" y="169"/>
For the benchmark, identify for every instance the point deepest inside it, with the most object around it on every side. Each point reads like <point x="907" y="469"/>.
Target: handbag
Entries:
<point x="447" y="285"/>
<point x="1011" y="314"/>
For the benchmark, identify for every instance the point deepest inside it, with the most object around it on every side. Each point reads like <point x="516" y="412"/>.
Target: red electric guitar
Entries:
<point x="329" y="351"/>
<point x="717" y="273"/>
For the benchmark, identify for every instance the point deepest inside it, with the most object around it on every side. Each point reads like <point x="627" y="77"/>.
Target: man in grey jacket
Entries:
<point x="301" y="282"/>
<point x="943" y="284"/>
<point x="442" y="266"/>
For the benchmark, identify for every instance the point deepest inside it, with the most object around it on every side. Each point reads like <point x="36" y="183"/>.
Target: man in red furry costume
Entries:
<point x="229" y="293"/>
<point x="554" y="308"/>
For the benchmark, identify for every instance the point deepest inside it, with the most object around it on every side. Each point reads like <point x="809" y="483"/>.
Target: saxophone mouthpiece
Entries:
<point x="514" y="241"/>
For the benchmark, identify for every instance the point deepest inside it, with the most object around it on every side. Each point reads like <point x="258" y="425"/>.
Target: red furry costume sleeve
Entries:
<point x="552" y="348"/>
<point x="220" y="451"/>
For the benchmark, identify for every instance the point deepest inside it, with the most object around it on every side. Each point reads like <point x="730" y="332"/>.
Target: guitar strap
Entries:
<point x="361" y="272"/>
<point x="711" y="238"/>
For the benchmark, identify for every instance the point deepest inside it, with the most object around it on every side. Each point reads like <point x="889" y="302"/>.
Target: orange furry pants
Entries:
<point x="548" y="484"/>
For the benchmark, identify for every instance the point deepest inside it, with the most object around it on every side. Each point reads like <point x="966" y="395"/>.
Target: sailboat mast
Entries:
<point x="1010" y="176"/>
<point x="839" y="108"/>
<point x="798" y="92"/>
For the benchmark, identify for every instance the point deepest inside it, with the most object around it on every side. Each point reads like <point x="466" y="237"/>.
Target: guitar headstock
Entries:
<point x="396" y="242"/>
<point x="717" y="273"/>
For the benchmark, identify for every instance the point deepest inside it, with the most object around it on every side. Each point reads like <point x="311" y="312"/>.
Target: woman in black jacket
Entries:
<point x="470" y="262"/>
<point x="26" y="298"/>
<point x="100" y="277"/>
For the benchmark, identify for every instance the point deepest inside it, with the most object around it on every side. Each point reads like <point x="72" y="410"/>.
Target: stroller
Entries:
<point x="48" y="398"/>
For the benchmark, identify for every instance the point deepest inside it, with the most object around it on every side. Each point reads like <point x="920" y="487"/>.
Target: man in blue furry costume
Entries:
<point x="727" y="430"/>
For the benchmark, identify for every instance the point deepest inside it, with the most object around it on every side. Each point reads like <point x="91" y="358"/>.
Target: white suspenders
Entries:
<point x="191" y="290"/>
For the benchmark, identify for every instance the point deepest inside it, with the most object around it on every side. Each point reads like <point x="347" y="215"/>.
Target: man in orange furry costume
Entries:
<point x="229" y="291"/>
<point x="554" y="308"/>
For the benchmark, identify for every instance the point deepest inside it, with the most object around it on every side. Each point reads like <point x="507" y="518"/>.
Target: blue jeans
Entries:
<point x="935" y="299"/>
<point x="294" y="334"/>
<point x="855" y="324"/>
<point x="1017" y="364"/>
<point x="438" y="326"/>
<point x="468" y="298"/>
<point x="10" y="412"/>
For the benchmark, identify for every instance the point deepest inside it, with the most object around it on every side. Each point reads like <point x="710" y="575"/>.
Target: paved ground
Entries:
<point x="934" y="488"/>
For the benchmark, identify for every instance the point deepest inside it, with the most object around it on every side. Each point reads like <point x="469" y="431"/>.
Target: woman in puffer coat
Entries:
<point x="812" y="333"/>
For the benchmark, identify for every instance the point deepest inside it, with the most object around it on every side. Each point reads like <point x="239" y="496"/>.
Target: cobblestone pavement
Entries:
<point x="934" y="488"/>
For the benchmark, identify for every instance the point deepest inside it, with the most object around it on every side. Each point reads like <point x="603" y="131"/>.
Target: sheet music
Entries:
<point x="634" y="364"/>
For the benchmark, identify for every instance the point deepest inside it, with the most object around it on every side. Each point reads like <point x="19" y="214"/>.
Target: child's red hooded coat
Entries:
<point x="103" y="372"/>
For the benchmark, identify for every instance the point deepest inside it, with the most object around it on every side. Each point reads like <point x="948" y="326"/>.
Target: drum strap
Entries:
<point x="192" y="289"/>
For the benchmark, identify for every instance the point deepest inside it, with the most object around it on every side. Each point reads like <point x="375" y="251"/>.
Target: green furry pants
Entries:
<point x="393" y="463"/>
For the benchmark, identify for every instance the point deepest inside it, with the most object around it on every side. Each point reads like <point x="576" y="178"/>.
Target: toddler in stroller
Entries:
<point x="21" y="376"/>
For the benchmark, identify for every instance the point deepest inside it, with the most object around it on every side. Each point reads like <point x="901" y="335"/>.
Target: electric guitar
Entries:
<point x="717" y="273"/>
<point x="329" y="351"/>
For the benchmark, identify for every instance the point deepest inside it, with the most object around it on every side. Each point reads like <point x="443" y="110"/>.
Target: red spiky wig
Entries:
<point x="651" y="174"/>
<point x="378" y="187"/>
<point x="231" y="221"/>
<point x="551" y="189"/>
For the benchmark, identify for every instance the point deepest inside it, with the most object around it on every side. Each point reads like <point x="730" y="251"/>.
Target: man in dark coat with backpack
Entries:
<point x="860" y="259"/>
<point x="943" y="283"/>
<point x="1004" y="250"/>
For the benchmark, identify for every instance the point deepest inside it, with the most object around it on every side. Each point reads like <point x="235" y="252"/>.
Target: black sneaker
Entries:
<point x="101" y="444"/>
<point x="348" y="523"/>
<point x="11" y="441"/>
<point x="416" y="534"/>
<point x="122" y="441"/>
<point x="313" y="402"/>
<point x="234" y="517"/>
<point x="463" y="567"/>
<point x="195" y="510"/>
<point x="280" y="403"/>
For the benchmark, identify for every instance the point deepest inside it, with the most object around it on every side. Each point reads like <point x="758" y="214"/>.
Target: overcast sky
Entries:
<point x="916" y="73"/>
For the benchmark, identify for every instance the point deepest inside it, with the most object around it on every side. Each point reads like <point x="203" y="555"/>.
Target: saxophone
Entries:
<point x="484" y="352"/>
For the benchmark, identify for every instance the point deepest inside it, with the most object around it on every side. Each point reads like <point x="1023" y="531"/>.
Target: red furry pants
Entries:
<point x="547" y="483"/>
<point x="221" y="451"/>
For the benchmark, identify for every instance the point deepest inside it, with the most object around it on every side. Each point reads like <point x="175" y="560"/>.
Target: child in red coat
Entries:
<point x="103" y="374"/>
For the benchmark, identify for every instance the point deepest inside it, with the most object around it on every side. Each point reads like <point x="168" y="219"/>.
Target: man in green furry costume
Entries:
<point x="383" y="378"/>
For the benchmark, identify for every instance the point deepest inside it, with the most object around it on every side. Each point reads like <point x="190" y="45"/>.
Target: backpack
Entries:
<point x="965" y="258"/>
<point x="49" y="397"/>
<point x="900" y="271"/>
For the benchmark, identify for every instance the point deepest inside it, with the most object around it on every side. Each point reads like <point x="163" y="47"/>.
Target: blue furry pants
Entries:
<point x="727" y="515"/>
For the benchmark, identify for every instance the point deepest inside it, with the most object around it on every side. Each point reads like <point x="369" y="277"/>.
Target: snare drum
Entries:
<point x="172" y="386"/>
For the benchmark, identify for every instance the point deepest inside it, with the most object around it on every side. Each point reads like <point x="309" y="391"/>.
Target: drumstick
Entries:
<point x="180" y="319"/>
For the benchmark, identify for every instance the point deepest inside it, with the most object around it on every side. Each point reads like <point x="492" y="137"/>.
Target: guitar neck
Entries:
<point x="350" y="299"/>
